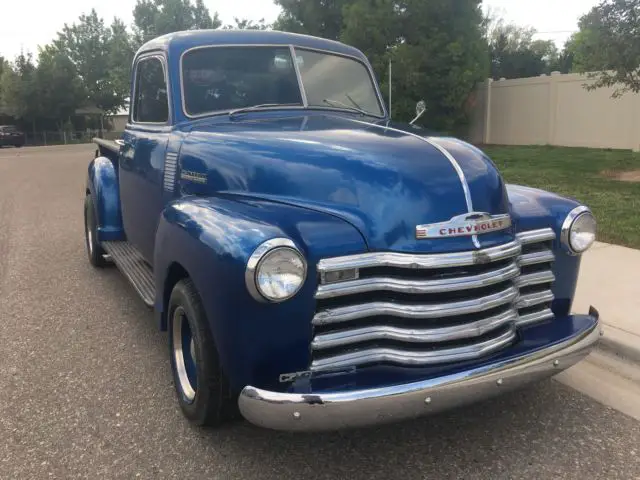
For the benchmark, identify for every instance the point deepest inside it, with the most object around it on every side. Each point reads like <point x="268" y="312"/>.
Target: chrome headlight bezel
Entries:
<point x="263" y="251"/>
<point x="569" y="223"/>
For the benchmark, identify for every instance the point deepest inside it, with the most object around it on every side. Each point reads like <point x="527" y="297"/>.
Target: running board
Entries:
<point x="129" y="261"/>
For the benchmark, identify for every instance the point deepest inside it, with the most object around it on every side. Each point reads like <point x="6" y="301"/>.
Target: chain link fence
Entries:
<point x="45" y="138"/>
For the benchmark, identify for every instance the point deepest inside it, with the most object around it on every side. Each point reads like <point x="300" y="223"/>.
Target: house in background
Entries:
<point x="118" y="120"/>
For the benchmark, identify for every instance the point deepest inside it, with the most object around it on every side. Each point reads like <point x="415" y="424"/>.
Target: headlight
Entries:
<point x="275" y="271"/>
<point x="578" y="230"/>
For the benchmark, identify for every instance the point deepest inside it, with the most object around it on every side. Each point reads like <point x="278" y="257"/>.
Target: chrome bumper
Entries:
<point x="332" y="411"/>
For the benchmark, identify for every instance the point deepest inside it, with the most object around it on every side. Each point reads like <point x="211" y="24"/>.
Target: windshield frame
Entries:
<point x="304" y="105"/>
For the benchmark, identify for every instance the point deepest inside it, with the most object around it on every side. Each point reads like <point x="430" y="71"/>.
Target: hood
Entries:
<point x="384" y="181"/>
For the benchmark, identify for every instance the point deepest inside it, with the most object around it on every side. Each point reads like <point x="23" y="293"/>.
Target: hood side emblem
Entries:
<point x="466" y="225"/>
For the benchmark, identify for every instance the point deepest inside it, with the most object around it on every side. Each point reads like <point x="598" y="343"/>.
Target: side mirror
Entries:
<point x="421" y="107"/>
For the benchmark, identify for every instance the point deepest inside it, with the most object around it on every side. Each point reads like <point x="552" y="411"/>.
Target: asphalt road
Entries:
<point x="85" y="387"/>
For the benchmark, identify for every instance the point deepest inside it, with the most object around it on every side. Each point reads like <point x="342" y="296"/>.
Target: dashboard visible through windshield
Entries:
<point x="221" y="79"/>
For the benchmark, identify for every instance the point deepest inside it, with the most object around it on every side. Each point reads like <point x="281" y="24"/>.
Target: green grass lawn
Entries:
<point x="577" y="173"/>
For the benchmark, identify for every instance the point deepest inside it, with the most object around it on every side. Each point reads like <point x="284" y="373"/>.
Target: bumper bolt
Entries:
<point x="427" y="400"/>
<point x="500" y="381"/>
<point x="556" y="363"/>
<point x="296" y="415"/>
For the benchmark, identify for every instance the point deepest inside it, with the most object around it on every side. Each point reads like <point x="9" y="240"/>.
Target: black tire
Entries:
<point x="94" y="249"/>
<point x="212" y="402"/>
<point x="18" y="146"/>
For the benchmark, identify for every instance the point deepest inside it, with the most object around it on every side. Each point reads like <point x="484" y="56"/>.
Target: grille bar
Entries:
<point x="415" y="358"/>
<point x="415" y="261"/>
<point x="544" y="256"/>
<point x="536" y="236"/>
<point x="434" y="310"/>
<point x="400" y="285"/>
<point x="536" y="278"/>
<point x="534" y="317"/>
<point x="532" y="299"/>
<point x="413" y="335"/>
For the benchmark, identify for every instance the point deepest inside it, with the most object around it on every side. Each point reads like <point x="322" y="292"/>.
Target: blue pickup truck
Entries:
<point x="317" y="265"/>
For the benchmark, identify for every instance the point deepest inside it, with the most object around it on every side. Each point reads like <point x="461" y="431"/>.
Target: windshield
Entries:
<point x="226" y="78"/>
<point x="219" y="79"/>
<point x="330" y="79"/>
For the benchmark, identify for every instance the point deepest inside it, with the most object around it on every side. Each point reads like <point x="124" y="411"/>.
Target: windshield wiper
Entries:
<point x="337" y="103"/>
<point x="262" y="105"/>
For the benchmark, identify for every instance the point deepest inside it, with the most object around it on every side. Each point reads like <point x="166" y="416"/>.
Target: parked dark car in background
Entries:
<point x="11" y="136"/>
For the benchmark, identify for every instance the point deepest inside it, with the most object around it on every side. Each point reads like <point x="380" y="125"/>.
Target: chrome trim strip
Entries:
<point x="531" y="299"/>
<point x="415" y="261"/>
<point x="434" y="310"/>
<point x="400" y="285"/>
<point x="535" y="236"/>
<point x="413" y="335"/>
<point x="535" y="278"/>
<point x="543" y="256"/>
<point x="414" y="358"/>
<point x="566" y="228"/>
<point x="296" y="67"/>
<point x="374" y="406"/>
<point x="534" y="317"/>
<point x="254" y="262"/>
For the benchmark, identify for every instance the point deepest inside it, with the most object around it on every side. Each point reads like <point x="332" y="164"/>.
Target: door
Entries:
<point x="143" y="154"/>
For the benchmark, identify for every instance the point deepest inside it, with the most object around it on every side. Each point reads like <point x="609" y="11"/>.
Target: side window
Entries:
<point x="151" y="102"/>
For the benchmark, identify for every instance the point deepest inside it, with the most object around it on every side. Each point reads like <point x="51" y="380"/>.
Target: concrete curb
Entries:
<point x="620" y="343"/>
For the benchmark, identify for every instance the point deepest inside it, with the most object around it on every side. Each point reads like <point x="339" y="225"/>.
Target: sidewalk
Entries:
<point x="610" y="281"/>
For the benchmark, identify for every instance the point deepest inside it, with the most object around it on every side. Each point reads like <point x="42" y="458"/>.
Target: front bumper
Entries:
<point x="337" y="410"/>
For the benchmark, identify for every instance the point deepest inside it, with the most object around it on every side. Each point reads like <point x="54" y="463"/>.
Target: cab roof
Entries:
<point x="180" y="41"/>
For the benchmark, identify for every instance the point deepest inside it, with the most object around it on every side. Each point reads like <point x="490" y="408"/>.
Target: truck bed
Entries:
<point x="107" y="148"/>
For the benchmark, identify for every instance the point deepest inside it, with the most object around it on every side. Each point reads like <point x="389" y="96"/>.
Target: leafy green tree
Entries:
<point x="607" y="46"/>
<point x="101" y="56"/>
<point x="153" y="18"/>
<point x="18" y="90"/>
<point x="57" y="85"/>
<point x="437" y="51"/>
<point x="322" y="18"/>
<point x="245" y="24"/>
<point x="515" y="54"/>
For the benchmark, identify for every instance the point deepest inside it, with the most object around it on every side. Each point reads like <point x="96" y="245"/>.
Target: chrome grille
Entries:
<point x="415" y="309"/>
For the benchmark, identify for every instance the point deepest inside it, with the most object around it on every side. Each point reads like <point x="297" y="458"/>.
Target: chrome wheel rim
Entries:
<point x="88" y="231"/>
<point x="89" y="239"/>
<point x="184" y="355"/>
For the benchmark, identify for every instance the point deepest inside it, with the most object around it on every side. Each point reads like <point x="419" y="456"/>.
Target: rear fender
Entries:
<point x="102" y="184"/>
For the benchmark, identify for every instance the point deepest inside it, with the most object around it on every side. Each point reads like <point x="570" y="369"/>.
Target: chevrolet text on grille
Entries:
<point x="464" y="225"/>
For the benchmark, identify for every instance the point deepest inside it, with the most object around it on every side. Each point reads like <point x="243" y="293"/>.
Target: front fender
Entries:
<point x="532" y="209"/>
<point x="212" y="239"/>
<point x="102" y="183"/>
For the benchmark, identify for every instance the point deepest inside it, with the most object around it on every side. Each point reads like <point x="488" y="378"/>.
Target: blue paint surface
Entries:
<point x="336" y="183"/>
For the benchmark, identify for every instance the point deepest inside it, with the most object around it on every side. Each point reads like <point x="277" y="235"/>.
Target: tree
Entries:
<point x="607" y="46"/>
<point x="101" y="56"/>
<point x="436" y="47"/>
<point x="153" y="18"/>
<point x="515" y="54"/>
<point x="322" y="18"/>
<point x="17" y="90"/>
<point x="57" y="85"/>
<point x="244" y="24"/>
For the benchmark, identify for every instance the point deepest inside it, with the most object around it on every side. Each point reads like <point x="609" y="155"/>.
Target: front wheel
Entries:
<point x="94" y="249"/>
<point x="201" y="386"/>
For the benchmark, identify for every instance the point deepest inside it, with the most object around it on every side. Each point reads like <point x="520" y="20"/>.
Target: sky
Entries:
<point x="25" y="24"/>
